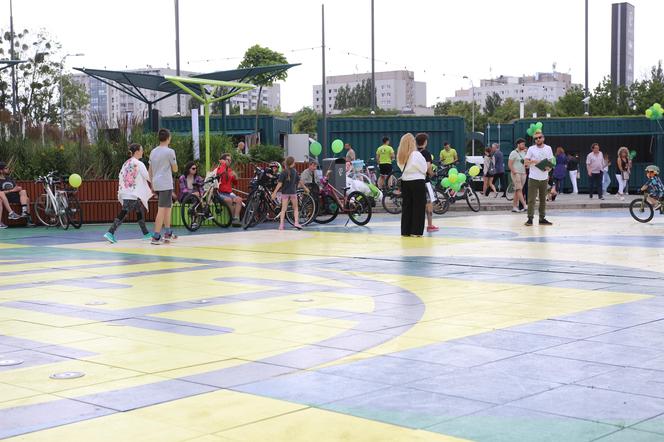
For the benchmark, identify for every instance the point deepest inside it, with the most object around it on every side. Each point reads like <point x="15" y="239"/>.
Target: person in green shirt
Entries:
<point x="448" y="155"/>
<point x="385" y="155"/>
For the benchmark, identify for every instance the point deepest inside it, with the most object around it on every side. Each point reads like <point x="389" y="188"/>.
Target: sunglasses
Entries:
<point x="539" y="138"/>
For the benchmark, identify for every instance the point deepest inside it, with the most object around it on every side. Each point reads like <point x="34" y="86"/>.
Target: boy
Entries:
<point x="13" y="194"/>
<point x="654" y="187"/>
<point x="162" y="166"/>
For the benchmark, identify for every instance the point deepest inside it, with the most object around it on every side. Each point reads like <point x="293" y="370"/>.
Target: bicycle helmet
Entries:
<point x="274" y="164"/>
<point x="653" y="168"/>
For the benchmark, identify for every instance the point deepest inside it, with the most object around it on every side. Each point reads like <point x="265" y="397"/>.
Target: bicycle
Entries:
<point x="195" y="210"/>
<point x="391" y="191"/>
<point x="509" y="193"/>
<point x="642" y="210"/>
<point x="332" y="202"/>
<point x="465" y="192"/>
<point x="261" y="207"/>
<point x="57" y="207"/>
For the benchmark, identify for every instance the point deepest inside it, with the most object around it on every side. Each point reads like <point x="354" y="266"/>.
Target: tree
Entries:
<point x="260" y="56"/>
<point x="570" y="104"/>
<point x="541" y="107"/>
<point x="492" y="103"/>
<point x="645" y="93"/>
<point x="74" y="100"/>
<point x="357" y="97"/>
<point x="506" y="112"/>
<point x="442" y="108"/>
<point x="305" y="121"/>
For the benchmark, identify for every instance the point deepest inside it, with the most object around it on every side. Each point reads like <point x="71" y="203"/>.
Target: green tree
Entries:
<point x="570" y="104"/>
<point x="74" y="99"/>
<point x="442" y="107"/>
<point x="541" y="107"/>
<point x="645" y="93"/>
<point x="260" y="56"/>
<point x="492" y="103"/>
<point x="506" y="112"/>
<point x="305" y="121"/>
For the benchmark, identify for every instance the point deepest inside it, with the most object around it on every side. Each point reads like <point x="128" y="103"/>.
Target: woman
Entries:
<point x="413" y="167"/>
<point x="606" y="178"/>
<point x="488" y="173"/>
<point x="573" y="170"/>
<point x="190" y="182"/>
<point x="623" y="170"/>
<point x="559" y="172"/>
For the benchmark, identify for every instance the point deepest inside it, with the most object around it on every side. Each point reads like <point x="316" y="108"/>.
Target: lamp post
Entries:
<point x="472" y="139"/>
<point x="62" y="101"/>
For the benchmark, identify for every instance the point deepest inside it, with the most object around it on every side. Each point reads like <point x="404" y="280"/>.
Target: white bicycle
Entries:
<point x="57" y="207"/>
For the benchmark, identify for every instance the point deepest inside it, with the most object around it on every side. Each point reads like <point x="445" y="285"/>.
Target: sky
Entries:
<point x="439" y="40"/>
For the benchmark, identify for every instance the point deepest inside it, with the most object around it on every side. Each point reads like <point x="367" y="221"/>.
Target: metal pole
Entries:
<point x="473" y="123"/>
<point x="324" y="86"/>
<point x="586" y="106"/>
<point x="62" y="108"/>
<point x="373" y="67"/>
<point x="12" y="55"/>
<point x="206" y="110"/>
<point x="177" y="46"/>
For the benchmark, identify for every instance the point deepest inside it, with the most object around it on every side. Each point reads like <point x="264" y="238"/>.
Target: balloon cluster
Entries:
<point x="454" y="179"/>
<point x="655" y="112"/>
<point x="534" y="128"/>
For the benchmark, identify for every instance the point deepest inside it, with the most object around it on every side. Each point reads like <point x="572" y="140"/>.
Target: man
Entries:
<point x="516" y="163"/>
<point x="536" y="160"/>
<point x="385" y="156"/>
<point x="499" y="176"/>
<point x="308" y="176"/>
<point x="226" y="180"/>
<point x="241" y="147"/>
<point x="350" y="153"/>
<point x="422" y="140"/>
<point x="595" y="166"/>
<point x="162" y="166"/>
<point x="448" y="155"/>
<point x="13" y="194"/>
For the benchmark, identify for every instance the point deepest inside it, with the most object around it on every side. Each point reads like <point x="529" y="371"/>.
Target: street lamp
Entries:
<point x="472" y="139"/>
<point x="62" y="102"/>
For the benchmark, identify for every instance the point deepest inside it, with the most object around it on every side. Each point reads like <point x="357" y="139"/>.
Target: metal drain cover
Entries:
<point x="303" y="300"/>
<point x="67" y="375"/>
<point x="10" y="362"/>
<point x="200" y="301"/>
<point x="96" y="303"/>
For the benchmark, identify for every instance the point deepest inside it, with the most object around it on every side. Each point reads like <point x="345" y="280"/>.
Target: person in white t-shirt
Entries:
<point x="414" y="168"/>
<point x="538" y="177"/>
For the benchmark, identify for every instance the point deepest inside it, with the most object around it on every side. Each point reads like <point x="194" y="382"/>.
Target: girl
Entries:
<point x="488" y="172"/>
<point x="190" y="181"/>
<point x="606" y="178"/>
<point x="288" y="183"/>
<point x="413" y="167"/>
<point x="133" y="192"/>
<point x="559" y="172"/>
<point x="623" y="169"/>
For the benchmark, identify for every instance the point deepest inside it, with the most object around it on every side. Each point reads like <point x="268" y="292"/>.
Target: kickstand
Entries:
<point x="347" y="221"/>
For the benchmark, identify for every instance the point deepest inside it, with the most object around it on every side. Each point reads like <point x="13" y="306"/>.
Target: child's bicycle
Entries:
<point x="332" y="202"/>
<point x="641" y="209"/>
<point x="195" y="210"/>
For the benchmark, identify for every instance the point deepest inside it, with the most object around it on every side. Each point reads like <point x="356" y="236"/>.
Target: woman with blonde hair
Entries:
<point x="413" y="167"/>
<point x="623" y="170"/>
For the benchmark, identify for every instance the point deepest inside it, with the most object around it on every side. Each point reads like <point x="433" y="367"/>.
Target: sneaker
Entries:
<point x="28" y="221"/>
<point x="236" y="222"/>
<point x="523" y="209"/>
<point x="170" y="237"/>
<point x="515" y="210"/>
<point x="3" y="226"/>
<point x="147" y="236"/>
<point x="297" y="226"/>
<point x="110" y="237"/>
<point x="657" y="207"/>
<point x="591" y="197"/>
<point x="601" y="197"/>
<point x="529" y="222"/>
<point x="432" y="229"/>
<point x="545" y="222"/>
<point x="156" y="240"/>
<point x="622" y="198"/>
<point x="14" y="216"/>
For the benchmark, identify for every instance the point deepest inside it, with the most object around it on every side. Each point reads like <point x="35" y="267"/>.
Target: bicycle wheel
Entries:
<point x="45" y="211"/>
<point x="192" y="212"/>
<point x="74" y="213"/>
<point x="472" y="199"/>
<point x="392" y="202"/>
<point x="510" y="191"/>
<point x="442" y="204"/>
<point x="358" y="208"/>
<point x="641" y="210"/>
<point x="221" y="213"/>
<point x="252" y="211"/>
<point x="61" y="210"/>
<point x="306" y="209"/>
<point x="328" y="209"/>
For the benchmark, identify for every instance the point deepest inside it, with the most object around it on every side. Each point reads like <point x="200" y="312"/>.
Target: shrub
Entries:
<point x="266" y="153"/>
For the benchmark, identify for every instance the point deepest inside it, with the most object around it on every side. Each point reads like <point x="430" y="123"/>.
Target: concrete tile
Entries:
<point x="307" y="357"/>
<point x="654" y="425"/>
<point x="632" y="337"/>
<point x="604" y="353"/>
<point x="563" y="329"/>
<point x="459" y="355"/>
<point x="514" y="341"/>
<point x="629" y="435"/>
<point x="629" y="380"/>
<point x="239" y="375"/>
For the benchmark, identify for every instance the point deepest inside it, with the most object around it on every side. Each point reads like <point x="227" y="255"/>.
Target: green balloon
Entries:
<point x="75" y="180"/>
<point x="462" y="178"/>
<point x="315" y="148"/>
<point x="452" y="171"/>
<point x="446" y="182"/>
<point x="337" y="146"/>
<point x="632" y="154"/>
<point x="456" y="187"/>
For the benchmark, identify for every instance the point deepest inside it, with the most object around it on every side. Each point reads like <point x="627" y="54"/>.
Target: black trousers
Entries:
<point x="413" y="205"/>
<point x="596" y="183"/>
<point x="500" y="182"/>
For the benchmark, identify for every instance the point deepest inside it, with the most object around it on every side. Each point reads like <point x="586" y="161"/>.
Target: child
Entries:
<point x="162" y="166"/>
<point x="654" y="187"/>
<point x="288" y="184"/>
<point x="227" y="179"/>
<point x="133" y="192"/>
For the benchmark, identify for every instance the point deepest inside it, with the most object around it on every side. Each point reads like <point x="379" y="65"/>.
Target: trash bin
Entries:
<point x="338" y="168"/>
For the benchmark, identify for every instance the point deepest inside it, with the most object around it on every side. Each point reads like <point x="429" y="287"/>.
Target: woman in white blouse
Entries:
<point x="413" y="167"/>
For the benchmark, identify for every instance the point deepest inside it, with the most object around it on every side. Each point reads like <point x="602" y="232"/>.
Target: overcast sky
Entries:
<point x="441" y="41"/>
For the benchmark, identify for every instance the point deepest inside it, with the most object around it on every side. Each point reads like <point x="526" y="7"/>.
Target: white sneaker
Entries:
<point x="3" y="226"/>
<point x="515" y="210"/>
<point x="14" y="216"/>
<point x="622" y="198"/>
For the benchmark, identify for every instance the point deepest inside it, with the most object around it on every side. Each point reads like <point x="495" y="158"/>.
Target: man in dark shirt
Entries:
<point x="422" y="140"/>
<point x="14" y="194"/>
<point x="499" y="176"/>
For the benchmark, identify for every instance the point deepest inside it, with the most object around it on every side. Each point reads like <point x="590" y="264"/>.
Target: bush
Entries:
<point x="266" y="153"/>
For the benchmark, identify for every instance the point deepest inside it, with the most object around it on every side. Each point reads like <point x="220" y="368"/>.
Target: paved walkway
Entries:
<point x="487" y="330"/>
